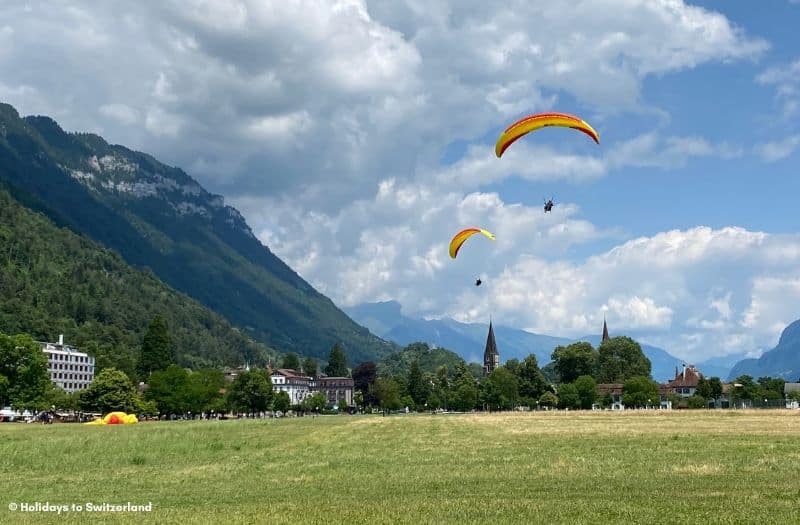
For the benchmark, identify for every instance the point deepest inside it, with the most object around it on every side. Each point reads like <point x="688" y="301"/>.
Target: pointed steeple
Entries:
<point x="491" y="357"/>
<point x="605" y="330"/>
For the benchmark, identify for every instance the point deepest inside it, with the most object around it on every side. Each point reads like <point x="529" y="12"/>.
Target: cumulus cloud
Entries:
<point x="322" y="100"/>
<point x="357" y="135"/>
<point x="652" y="150"/>
<point x="786" y="79"/>
<point x="778" y="150"/>
<point x="697" y="292"/>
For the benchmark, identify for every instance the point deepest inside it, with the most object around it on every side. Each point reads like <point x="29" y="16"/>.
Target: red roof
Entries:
<point x="688" y="378"/>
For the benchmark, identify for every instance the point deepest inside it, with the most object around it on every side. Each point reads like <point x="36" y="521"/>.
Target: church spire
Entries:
<point x="605" y="330"/>
<point x="491" y="357"/>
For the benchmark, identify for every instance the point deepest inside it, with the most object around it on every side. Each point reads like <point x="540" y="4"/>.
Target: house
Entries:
<point x="231" y="374"/>
<point x="337" y="390"/>
<point x="685" y="382"/>
<point x="297" y="385"/>
<point x="615" y="391"/>
<point x="68" y="368"/>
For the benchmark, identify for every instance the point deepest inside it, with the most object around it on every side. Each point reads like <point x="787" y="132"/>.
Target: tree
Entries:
<point x="640" y="391"/>
<point x="4" y="390"/>
<point x="532" y="383"/>
<point x="169" y="389"/>
<point x="143" y="407"/>
<point x="621" y="358"/>
<point x="58" y="398"/>
<point x="110" y="391"/>
<point x="251" y="391"/>
<point x="24" y="367"/>
<point x="441" y="389"/>
<point x="337" y="363"/>
<point x="156" y="352"/>
<point x="744" y="388"/>
<point x="464" y="395"/>
<point x="574" y="360"/>
<point x="314" y="403"/>
<point x="500" y="390"/>
<point x="310" y="367"/>
<point x="513" y="365"/>
<point x="205" y="391"/>
<point x="548" y="399"/>
<point x="416" y="385"/>
<point x="387" y="392"/>
<point x="568" y="397"/>
<point x="709" y="388"/>
<point x="282" y="402"/>
<point x="363" y="377"/>
<point x="697" y="401"/>
<point x="586" y="387"/>
<point x="772" y="387"/>
<point x="291" y="361"/>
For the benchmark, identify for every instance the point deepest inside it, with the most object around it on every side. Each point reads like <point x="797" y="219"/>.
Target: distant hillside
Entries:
<point x="469" y="340"/>
<point x="719" y="366"/>
<point x="158" y="217"/>
<point x="398" y="363"/>
<point x="466" y="339"/>
<point x="782" y="361"/>
<point x="54" y="282"/>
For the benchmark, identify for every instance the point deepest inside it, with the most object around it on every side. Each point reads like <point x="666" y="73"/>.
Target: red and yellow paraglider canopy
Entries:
<point x="115" y="418"/>
<point x="536" y="121"/>
<point x="462" y="236"/>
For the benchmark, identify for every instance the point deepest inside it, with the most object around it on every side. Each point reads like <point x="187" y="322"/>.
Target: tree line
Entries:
<point x="417" y="377"/>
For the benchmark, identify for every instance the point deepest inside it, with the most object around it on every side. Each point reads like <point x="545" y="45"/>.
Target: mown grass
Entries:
<point x="641" y="467"/>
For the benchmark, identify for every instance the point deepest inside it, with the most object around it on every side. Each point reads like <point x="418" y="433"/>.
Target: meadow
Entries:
<point x="558" y="467"/>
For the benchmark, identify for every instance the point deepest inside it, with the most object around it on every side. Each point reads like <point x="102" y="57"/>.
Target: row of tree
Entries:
<point x="336" y="367"/>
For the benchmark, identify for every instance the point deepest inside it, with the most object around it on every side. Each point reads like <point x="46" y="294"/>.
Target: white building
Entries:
<point x="69" y="369"/>
<point x="298" y="386"/>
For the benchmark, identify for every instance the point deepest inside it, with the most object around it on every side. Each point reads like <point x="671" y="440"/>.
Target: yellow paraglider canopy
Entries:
<point x="461" y="237"/>
<point x="541" y="120"/>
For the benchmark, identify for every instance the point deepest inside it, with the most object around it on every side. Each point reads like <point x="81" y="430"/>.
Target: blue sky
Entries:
<point x="357" y="136"/>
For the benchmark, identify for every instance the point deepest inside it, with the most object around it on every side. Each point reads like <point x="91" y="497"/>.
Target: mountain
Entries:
<point x="719" y="366"/>
<point x="782" y="361"/>
<point x="466" y="339"/>
<point x="469" y="339"/>
<point x="158" y="217"/>
<point x="53" y="282"/>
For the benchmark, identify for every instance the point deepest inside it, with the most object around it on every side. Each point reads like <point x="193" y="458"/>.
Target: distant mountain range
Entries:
<point x="158" y="217"/>
<point x="719" y="366"/>
<point x="782" y="361"/>
<point x="469" y="339"/>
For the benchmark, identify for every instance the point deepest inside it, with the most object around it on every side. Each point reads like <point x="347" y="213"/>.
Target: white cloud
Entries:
<point x="122" y="113"/>
<point x="775" y="302"/>
<point x="651" y="150"/>
<point x="774" y="151"/>
<point x="366" y="90"/>
<point x="326" y="124"/>
<point x="786" y="79"/>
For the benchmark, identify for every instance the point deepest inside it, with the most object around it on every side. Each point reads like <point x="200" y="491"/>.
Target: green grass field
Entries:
<point x="637" y="467"/>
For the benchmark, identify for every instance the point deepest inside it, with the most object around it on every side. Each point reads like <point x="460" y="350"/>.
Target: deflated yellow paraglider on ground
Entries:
<point x="115" y="418"/>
